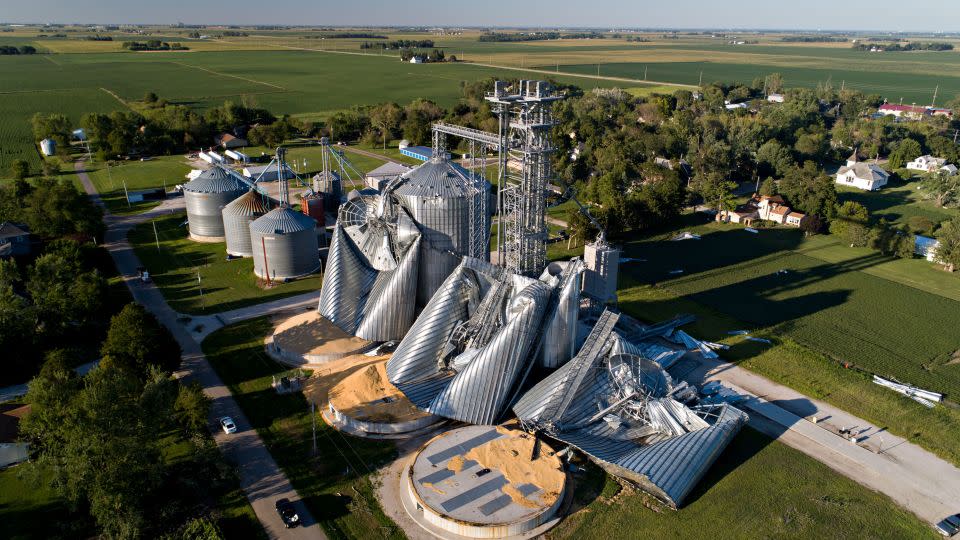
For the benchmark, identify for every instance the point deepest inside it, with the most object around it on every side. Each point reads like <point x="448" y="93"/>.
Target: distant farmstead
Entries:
<point x="930" y="164"/>
<point x="913" y="112"/>
<point x="861" y="175"/>
<point x="227" y="141"/>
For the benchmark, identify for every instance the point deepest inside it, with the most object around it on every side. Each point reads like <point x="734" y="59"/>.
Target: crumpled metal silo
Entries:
<point x="237" y="217"/>
<point x="205" y="196"/>
<point x="560" y="323"/>
<point x="284" y="244"/>
<point x="369" y="288"/>
<point x="450" y="205"/>
<point x="625" y="412"/>
<point x="471" y="345"/>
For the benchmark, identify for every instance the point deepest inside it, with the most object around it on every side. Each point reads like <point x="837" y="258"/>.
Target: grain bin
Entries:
<point x="205" y="196"/>
<point x="237" y="217"/>
<point x="48" y="147"/>
<point x="329" y="184"/>
<point x="450" y="208"/>
<point x="284" y="244"/>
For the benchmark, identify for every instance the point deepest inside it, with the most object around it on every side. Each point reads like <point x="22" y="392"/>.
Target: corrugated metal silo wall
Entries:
<point x="445" y="222"/>
<point x="288" y="255"/>
<point x="236" y="228"/>
<point x="204" y="211"/>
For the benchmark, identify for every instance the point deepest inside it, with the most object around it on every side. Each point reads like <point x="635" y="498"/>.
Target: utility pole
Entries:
<point x="155" y="237"/>
<point x="644" y="72"/>
<point x="125" y="194"/>
<point x="200" y="286"/>
<point x="700" y="84"/>
<point x="313" y="418"/>
<point x="935" y="90"/>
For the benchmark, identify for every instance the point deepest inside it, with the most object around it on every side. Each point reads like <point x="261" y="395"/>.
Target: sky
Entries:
<point x="922" y="15"/>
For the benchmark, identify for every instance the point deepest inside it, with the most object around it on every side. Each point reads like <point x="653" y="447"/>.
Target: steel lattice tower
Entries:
<point x="525" y="123"/>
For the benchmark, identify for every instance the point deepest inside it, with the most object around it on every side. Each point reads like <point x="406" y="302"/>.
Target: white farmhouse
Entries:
<point x="926" y="164"/>
<point x="861" y="175"/>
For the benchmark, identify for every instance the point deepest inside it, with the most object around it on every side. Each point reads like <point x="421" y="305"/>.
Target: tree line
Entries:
<point x="10" y="50"/>
<point x="535" y="36"/>
<point x="154" y="45"/>
<point x="910" y="46"/>
<point x="397" y="44"/>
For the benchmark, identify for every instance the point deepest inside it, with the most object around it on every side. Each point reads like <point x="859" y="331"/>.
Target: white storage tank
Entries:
<point x="205" y="196"/>
<point x="48" y="147"/>
<point x="284" y="244"/>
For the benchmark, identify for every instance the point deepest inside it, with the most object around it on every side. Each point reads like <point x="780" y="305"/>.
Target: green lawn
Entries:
<point x="897" y="202"/>
<point x="225" y="284"/>
<point x="758" y="488"/>
<point x="342" y="465"/>
<point x="29" y="510"/>
<point x="166" y="171"/>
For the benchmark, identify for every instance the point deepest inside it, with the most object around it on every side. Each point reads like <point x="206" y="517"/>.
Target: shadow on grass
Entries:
<point x="744" y="446"/>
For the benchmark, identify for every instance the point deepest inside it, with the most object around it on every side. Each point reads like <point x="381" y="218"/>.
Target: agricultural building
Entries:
<point x="267" y="173"/>
<point x="237" y="217"/>
<point x="284" y="244"/>
<point x="423" y="153"/>
<point x="381" y="176"/>
<point x="205" y="196"/>
<point x="228" y="141"/>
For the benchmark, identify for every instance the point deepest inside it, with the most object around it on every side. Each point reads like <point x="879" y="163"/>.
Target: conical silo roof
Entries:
<point x="283" y="220"/>
<point x="215" y="180"/>
<point x="252" y="203"/>
<point x="436" y="178"/>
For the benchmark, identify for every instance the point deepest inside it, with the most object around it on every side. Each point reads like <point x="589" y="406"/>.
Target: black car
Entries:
<point x="287" y="513"/>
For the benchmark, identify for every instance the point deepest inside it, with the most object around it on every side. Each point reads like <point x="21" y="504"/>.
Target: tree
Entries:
<point x="906" y="151"/>
<point x="775" y="156"/>
<point x="386" y="118"/>
<point x="941" y="187"/>
<point x="191" y="407"/>
<point x="948" y="252"/>
<point x="151" y="98"/>
<point x="63" y="294"/>
<point x="850" y="224"/>
<point x="768" y="187"/>
<point x="773" y="83"/>
<point x="136" y="341"/>
<point x="54" y="126"/>
<point x="19" y="169"/>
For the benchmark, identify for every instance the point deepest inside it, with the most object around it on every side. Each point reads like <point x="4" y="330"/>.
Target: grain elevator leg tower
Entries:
<point x="526" y="119"/>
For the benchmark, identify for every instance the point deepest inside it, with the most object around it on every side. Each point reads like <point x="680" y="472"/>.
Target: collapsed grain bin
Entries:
<point x="449" y="204"/>
<point x="284" y="244"/>
<point x="205" y="196"/>
<point x="237" y="217"/>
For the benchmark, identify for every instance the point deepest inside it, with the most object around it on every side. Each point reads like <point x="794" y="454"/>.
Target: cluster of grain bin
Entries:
<point x="450" y="207"/>
<point x="222" y="207"/>
<point x="284" y="244"/>
<point x="205" y="197"/>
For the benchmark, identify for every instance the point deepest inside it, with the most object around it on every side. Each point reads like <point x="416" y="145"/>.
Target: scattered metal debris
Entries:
<point x="686" y="235"/>
<point x="921" y="396"/>
<point x="760" y="340"/>
<point x="738" y="333"/>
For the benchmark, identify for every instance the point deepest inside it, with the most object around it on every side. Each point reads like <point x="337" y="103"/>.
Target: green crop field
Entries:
<point x="893" y="85"/>
<point x="225" y="284"/>
<point x="17" y="108"/>
<point x="857" y="306"/>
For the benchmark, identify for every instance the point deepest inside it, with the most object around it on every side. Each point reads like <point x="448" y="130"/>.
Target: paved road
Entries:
<point x="212" y="323"/>
<point x="260" y="476"/>
<point x="913" y="477"/>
